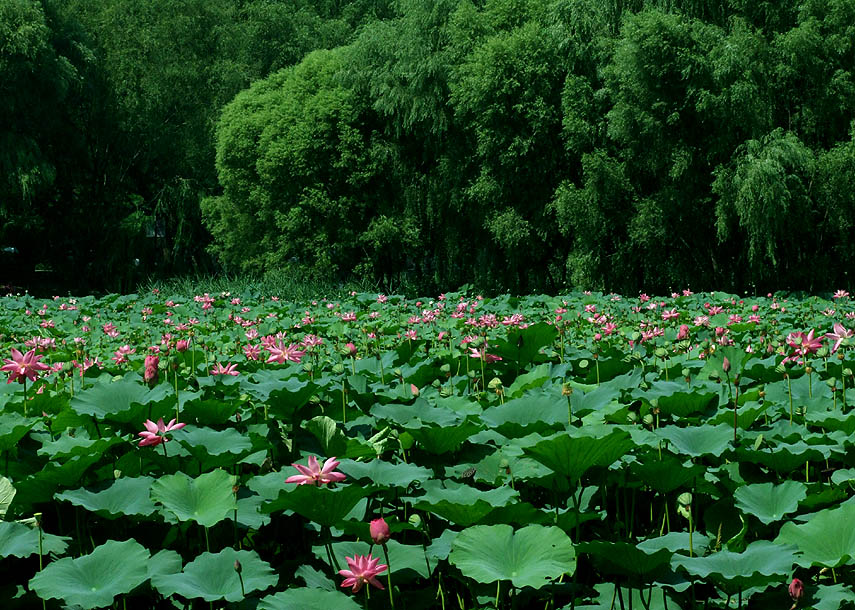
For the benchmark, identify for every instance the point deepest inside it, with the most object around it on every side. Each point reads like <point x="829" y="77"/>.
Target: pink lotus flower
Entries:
<point x="281" y="354"/>
<point x="23" y="366"/>
<point x="363" y="569"/>
<point x="229" y="369"/>
<point x="150" y="374"/>
<point x="182" y="344"/>
<point x="154" y="433"/>
<point x="379" y="531"/>
<point x="796" y="589"/>
<point x="841" y="294"/>
<point x="840" y="333"/>
<point x="314" y="474"/>
<point x="488" y="358"/>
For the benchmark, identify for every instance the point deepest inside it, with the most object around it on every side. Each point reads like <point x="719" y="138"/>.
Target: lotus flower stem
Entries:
<point x="790" y="392"/>
<point x="498" y="588"/>
<point x="177" y="399"/>
<point x="389" y="575"/>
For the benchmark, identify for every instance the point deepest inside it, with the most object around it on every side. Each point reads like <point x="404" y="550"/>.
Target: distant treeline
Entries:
<point x="511" y="144"/>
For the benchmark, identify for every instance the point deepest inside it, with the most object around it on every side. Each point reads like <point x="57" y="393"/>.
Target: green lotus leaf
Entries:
<point x="125" y="496"/>
<point x="698" y="440"/>
<point x="94" y="580"/>
<point x="676" y="542"/>
<point x="274" y="384"/>
<point x="666" y="474"/>
<point x="826" y="539"/>
<point x="7" y="494"/>
<point x="323" y="505"/>
<point x="417" y="414"/>
<point x="407" y="560"/>
<point x="462" y="504"/>
<point x="607" y="599"/>
<point x="124" y="400"/>
<point x="769" y="502"/>
<point x="384" y="473"/>
<point x="625" y="559"/>
<point x="14" y="427"/>
<point x="79" y="444"/>
<point x="166" y="561"/>
<point x="308" y="599"/>
<point x="201" y="441"/>
<point x="19" y="540"/>
<point x="572" y="454"/>
<point x="534" y="412"/>
<point x="523" y="346"/>
<point x="315" y="579"/>
<point x="761" y="563"/>
<point x="207" y="499"/>
<point x="843" y="476"/>
<point x="674" y="398"/>
<point x="833" y="597"/>
<point x="207" y="411"/>
<point x="442" y="439"/>
<point x="212" y="577"/>
<point x="535" y="378"/>
<point x="529" y="557"/>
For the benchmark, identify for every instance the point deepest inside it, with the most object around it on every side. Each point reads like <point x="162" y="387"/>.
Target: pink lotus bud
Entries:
<point x="181" y="345"/>
<point x="725" y="366"/>
<point x="597" y="336"/>
<point x="150" y="375"/>
<point x="683" y="333"/>
<point x="351" y="349"/>
<point x="797" y="589"/>
<point x="380" y="531"/>
<point x="414" y="389"/>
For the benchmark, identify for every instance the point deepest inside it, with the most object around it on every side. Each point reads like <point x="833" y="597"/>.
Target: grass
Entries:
<point x="287" y="285"/>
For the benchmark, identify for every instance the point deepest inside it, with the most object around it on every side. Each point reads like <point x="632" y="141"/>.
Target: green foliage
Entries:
<point x="421" y="142"/>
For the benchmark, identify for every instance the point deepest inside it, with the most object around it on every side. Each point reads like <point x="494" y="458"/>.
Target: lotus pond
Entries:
<point x="581" y="451"/>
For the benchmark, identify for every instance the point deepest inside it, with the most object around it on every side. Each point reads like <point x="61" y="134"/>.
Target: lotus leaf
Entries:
<point x="206" y="499"/>
<point x="529" y="557"/>
<point x="212" y="577"/>
<point x="94" y="580"/>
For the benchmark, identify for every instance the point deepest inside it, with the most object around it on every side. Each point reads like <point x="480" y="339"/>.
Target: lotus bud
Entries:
<point x="238" y="567"/>
<point x="797" y="589"/>
<point x="379" y="530"/>
<point x="808" y="370"/>
<point x="150" y="374"/>
<point x="725" y="365"/>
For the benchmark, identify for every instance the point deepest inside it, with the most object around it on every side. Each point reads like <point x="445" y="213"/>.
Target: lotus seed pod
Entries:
<point x="660" y="352"/>
<point x="445" y="368"/>
<point x="847" y="372"/>
<point x="647" y="419"/>
<point x="338" y="368"/>
<point x="631" y="417"/>
<point x="685" y="499"/>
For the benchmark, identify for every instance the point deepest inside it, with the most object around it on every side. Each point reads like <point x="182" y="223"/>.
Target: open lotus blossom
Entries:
<point x="229" y="369"/>
<point x="281" y="354"/>
<point x="840" y="333"/>
<point x="363" y="569"/>
<point x="314" y="474"/>
<point x="488" y="358"/>
<point x="23" y="366"/>
<point x="155" y="433"/>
